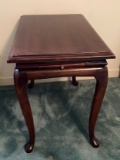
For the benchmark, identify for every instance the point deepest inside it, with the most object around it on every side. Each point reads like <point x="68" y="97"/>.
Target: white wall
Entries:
<point x="103" y="15"/>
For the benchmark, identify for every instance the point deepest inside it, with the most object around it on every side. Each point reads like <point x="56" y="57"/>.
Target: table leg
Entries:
<point x="31" y="84"/>
<point x="20" y="80"/>
<point x="101" y="84"/>
<point x="74" y="81"/>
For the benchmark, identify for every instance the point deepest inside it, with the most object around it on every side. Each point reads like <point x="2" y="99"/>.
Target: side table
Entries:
<point x="48" y="46"/>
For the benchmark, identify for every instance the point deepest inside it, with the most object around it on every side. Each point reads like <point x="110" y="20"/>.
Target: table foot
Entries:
<point x="101" y="77"/>
<point x="20" y="80"/>
<point x="29" y="147"/>
<point x="74" y="81"/>
<point x="31" y="84"/>
<point x="94" y="142"/>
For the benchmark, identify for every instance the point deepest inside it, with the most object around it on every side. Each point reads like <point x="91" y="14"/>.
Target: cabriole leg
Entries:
<point x="101" y="77"/>
<point x="20" y="80"/>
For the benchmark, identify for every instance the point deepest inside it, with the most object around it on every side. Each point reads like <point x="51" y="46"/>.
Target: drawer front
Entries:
<point x="62" y="66"/>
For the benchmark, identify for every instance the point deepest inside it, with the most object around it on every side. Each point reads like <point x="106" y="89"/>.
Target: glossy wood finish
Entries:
<point x="22" y="77"/>
<point x="51" y="46"/>
<point x="21" y="80"/>
<point x="57" y="38"/>
<point x="101" y="77"/>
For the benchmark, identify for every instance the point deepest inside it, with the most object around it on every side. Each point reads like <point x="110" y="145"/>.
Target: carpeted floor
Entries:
<point x="61" y="112"/>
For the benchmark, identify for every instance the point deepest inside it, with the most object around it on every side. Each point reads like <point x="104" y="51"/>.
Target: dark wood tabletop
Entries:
<point x="42" y="38"/>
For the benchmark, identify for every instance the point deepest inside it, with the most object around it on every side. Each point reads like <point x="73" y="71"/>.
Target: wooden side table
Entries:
<point x="48" y="46"/>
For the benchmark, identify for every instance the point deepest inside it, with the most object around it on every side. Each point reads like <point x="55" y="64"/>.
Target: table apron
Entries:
<point x="44" y="74"/>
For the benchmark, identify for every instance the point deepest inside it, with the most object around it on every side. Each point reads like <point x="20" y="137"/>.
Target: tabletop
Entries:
<point x="57" y="37"/>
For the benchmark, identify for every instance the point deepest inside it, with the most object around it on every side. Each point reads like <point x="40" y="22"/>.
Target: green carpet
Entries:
<point x="61" y="113"/>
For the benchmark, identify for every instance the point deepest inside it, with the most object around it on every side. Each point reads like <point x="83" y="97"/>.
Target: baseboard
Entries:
<point x="9" y="80"/>
<point x="113" y="73"/>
